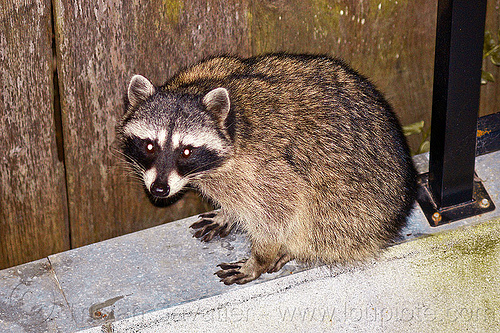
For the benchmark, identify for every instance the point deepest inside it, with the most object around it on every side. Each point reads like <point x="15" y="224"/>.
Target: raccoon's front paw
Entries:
<point x="236" y="272"/>
<point x="280" y="261"/>
<point x="212" y="224"/>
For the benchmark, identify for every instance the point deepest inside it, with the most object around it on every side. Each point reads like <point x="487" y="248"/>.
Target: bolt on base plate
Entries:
<point x="481" y="203"/>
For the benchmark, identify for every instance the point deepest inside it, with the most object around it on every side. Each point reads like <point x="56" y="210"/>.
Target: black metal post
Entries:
<point x="455" y="105"/>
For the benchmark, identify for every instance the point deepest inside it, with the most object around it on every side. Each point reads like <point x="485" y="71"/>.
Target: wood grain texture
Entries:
<point x="100" y="46"/>
<point x="490" y="92"/>
<point x="33" y="221"/>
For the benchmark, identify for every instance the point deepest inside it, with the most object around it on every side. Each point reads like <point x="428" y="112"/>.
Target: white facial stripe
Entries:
<point x="150" y="177"/>
<point x="162" y="137"/>
<point x="135" y="129"/>
<point x="203" y="139"/>
<point x="176" y="141"/>
<point x="176" y="182"/>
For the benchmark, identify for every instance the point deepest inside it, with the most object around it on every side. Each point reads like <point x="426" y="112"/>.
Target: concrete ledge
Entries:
<point x="161" y="279"/>
<point x="443" y="283"/>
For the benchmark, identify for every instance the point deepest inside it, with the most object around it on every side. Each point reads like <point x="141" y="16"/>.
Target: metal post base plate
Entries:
<point x="480" y="204"/>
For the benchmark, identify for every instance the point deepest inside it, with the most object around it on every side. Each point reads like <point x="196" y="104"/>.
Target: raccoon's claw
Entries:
<point x="205" y="219"/>
<point x="232" y="273"/>
<point x="210" y="225"/>
<point x="279" y="263"/>
<point x="233" y="265"/>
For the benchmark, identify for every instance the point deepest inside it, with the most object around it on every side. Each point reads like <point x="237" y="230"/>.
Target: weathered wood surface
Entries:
<point x="490" y="92"/>
<point x="101" y="44"/>
<point x="33" y="221"/>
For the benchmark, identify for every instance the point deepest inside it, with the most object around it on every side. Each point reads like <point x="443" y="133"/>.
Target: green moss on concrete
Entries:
<point x="461" y="269"/>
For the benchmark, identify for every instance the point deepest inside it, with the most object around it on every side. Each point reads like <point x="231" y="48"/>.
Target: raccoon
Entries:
<point x="300" y="151"/>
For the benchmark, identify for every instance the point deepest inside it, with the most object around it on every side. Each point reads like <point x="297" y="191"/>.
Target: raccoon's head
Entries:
<point x="170" y="138"/>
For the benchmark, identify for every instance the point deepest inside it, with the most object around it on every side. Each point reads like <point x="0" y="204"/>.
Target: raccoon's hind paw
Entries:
<point x="212" y="224"/>
<point x="235" y="273"/>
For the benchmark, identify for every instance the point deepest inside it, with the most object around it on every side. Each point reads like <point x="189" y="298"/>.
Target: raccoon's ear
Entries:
<point x="139" y="89"/>
<point x="217" y="101"/>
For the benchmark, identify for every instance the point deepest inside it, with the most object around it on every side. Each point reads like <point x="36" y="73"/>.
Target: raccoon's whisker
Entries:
<point x="194" y="172"/>
<point x="134" y="177"/>
<point x="120" y="155"/>
<point x="230" y="126"/>
<point x="134" y="163"/>
<point x="203" y="166"/>
<point x="133" y="168"/>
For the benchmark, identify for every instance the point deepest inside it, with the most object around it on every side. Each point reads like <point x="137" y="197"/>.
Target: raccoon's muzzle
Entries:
<point x="159" y="189"/>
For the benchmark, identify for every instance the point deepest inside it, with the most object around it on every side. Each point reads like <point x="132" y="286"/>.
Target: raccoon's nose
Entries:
<point x="159" y="189"/>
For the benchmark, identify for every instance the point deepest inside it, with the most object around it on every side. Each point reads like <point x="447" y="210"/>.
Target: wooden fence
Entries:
<point x="64" y="66"/>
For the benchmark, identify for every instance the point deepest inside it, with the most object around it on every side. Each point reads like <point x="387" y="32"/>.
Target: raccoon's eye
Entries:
<point x="186" y="152"/>
<point x="150" y="147"/>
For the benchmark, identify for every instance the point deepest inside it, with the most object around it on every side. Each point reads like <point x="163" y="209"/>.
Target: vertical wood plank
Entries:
<point x="33" y="222"/>
<point x="490" y="92"/>
<point x="100" y="46"/>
